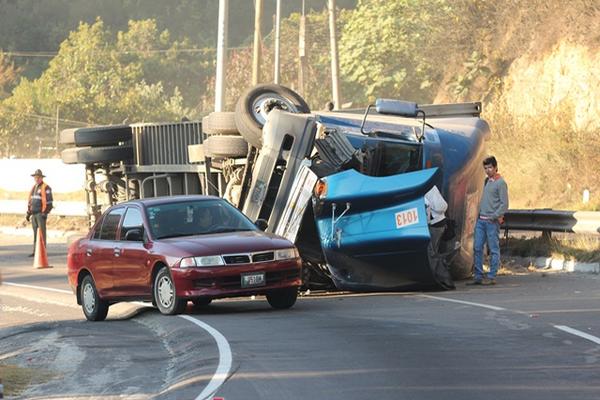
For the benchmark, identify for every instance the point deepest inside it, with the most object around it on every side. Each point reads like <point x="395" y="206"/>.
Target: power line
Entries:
<point x="50" y="54"/>
<point x="45" y="117"/>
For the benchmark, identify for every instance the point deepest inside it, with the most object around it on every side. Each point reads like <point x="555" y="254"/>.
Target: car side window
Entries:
<point x="132" y="220"/>
<point x="98" y="229"/>
<point x="111" y="224"/>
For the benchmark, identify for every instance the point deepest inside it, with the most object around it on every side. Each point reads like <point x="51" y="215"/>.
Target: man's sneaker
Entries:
<point x="490" y="282"/>
<point x="475" y="282"/>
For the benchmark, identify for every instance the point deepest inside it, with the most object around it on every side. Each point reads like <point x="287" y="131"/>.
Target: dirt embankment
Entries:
<point x="538" y="73"/>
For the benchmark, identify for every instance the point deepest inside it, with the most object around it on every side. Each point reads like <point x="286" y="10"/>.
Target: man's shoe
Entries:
<point x="490" y="282"/>
<point x="31" y="255"/>
<point x="475" y="282"/>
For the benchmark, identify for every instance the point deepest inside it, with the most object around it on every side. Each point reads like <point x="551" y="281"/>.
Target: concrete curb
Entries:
<point x="559" y="264"/>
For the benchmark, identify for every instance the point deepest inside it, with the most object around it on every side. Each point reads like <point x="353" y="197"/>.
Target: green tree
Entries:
<point x="386" y="47"/>
<point x="90" y="80"/>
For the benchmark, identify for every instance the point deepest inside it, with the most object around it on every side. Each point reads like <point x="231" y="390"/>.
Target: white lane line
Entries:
<point x="37" y="287"/>
<point x="225" y="359"/>
<point x="464" y="302"/>
<point x="575" y="332"/>
<point x="224" y="366"/>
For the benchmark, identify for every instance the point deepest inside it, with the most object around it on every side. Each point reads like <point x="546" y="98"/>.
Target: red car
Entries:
<point x="172" y="250"/>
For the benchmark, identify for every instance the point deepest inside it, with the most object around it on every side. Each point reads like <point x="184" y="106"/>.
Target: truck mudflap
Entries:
<point x="374" y="231"/>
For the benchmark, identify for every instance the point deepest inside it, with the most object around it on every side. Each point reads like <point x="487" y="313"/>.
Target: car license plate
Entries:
<point x="253" y="279"/>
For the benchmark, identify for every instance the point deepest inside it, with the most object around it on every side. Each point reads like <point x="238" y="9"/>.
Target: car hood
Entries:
<point x="227" y="243"/>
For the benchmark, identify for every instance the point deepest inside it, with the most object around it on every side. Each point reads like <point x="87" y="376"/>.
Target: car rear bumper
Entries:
<point x="226" y="281"/>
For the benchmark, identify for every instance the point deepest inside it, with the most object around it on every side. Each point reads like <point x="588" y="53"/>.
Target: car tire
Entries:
<point x="219" y="123"/>
<point x="201" y="302"/>
<point x="282" y="299"/>
<point x="94" y="308"/>
<point x="90" y="155"/>
<point x="254" y="105"/>
<point x="96" y="136"/>
<point x="165" y="295"/>
<point x="225" y="146"/>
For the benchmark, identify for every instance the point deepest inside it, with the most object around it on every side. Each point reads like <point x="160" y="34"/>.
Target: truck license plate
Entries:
<point x="253" y="279"/>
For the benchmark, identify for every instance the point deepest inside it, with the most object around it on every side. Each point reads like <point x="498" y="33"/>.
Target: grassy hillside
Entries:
<point x="536" y="66"/>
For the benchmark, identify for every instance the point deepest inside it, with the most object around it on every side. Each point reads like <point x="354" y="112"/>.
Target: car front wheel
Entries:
<point x="94" y="308"/>
<point x="164" y="294"/>
<point x="283" y="298"/>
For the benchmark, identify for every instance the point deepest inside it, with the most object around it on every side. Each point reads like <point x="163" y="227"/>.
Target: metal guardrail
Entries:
<point x="548" y="220"/>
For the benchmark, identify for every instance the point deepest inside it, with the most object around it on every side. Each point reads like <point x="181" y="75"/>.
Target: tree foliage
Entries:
<point x="94" y="80"/>
<point x="383" y="46"/>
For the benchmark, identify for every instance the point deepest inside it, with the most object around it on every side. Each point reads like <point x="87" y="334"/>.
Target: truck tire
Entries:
<point x="96" y="135"/>
<point x="90" y="155"/>
<point x="225" y="146"/>
<point x="219" y="123"/>
<point x="255" y="104"/>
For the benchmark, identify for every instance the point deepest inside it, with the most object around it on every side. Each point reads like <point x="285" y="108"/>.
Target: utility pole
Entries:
<point x="302" y="51"/>
<point x="257" y="42"/>
<point x="335" y="70"/>
<point x="277" y="39"/>
<point x="56" y="128"/>
<point x="221" y="55"/>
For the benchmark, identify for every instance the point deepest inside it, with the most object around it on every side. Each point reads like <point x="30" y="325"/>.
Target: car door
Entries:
<point x="100" y="251"/>
<point x="131" y="269"/>
<point x="373" y="230"/>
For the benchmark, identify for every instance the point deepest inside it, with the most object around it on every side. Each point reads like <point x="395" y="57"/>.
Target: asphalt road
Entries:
<point x="529" y="337"/>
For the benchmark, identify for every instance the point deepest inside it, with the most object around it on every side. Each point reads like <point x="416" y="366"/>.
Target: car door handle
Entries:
<point x="88" y="252"/>
<point x="117" y="251"/>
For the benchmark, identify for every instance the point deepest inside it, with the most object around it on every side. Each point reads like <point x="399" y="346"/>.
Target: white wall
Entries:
<point x="15" y="174"/>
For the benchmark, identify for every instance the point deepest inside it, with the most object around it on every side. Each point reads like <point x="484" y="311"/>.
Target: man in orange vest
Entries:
<point x="39" y="205"/>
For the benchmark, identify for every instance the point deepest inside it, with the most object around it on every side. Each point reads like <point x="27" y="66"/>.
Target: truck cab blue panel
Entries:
<point x="371" y="251"/>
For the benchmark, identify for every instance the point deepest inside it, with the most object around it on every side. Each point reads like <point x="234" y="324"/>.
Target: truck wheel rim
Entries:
<point x="264" y="104"/>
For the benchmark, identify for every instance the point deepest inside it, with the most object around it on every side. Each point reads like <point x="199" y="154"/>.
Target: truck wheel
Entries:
<point x="89" y="155"/>
<point x="219" y="123"/>
<point x="225" y="146"/>
<point x="96" y="135"/>
<point x="255" y="104"/>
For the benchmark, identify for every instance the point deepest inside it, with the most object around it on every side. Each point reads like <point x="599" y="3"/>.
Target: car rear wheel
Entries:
<point x="164" y="294"/>
<point x="283" y="298"/>
<point x="201" y="302"/>
<point x="94" y="308"/>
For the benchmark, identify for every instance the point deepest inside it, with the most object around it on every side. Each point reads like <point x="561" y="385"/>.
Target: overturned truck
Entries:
<point x="348" y="187"/>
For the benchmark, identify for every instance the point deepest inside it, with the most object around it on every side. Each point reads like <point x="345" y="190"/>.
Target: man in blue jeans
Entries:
<point x="492" y="207"/>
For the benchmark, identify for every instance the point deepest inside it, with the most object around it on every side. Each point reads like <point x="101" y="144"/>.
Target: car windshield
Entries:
<point x="196" y="217"/>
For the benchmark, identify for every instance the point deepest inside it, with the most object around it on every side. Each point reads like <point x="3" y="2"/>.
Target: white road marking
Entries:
<point x="575" y="332"/>
<point x="225" y="359"/>
<point x="37" y="287"/>
<point x="464" y="302"/>
<point x="224" y="366"/>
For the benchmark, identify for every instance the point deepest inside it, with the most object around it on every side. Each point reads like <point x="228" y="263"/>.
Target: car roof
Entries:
<point x="154" y="201"/>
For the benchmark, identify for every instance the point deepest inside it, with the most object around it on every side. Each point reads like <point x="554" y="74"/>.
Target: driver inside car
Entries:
<point x="205" y="219"/>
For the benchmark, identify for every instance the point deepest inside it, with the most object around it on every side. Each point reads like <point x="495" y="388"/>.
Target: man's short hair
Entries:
<point x="491" y="160"/>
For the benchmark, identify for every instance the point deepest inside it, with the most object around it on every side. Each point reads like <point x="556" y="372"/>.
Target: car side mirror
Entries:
<point x="134" y="235"/>
<point x="261" y="224"/>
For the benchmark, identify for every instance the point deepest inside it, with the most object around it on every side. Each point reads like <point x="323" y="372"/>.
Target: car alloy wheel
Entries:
<point x="165" y="296"/>
<point x="94" y="308"/>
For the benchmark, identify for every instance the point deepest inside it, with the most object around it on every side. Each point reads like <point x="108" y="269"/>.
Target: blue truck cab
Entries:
<point x="365" y="226"/>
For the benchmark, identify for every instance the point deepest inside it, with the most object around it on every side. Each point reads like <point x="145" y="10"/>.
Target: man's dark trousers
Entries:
<point x="38" y="220"/>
